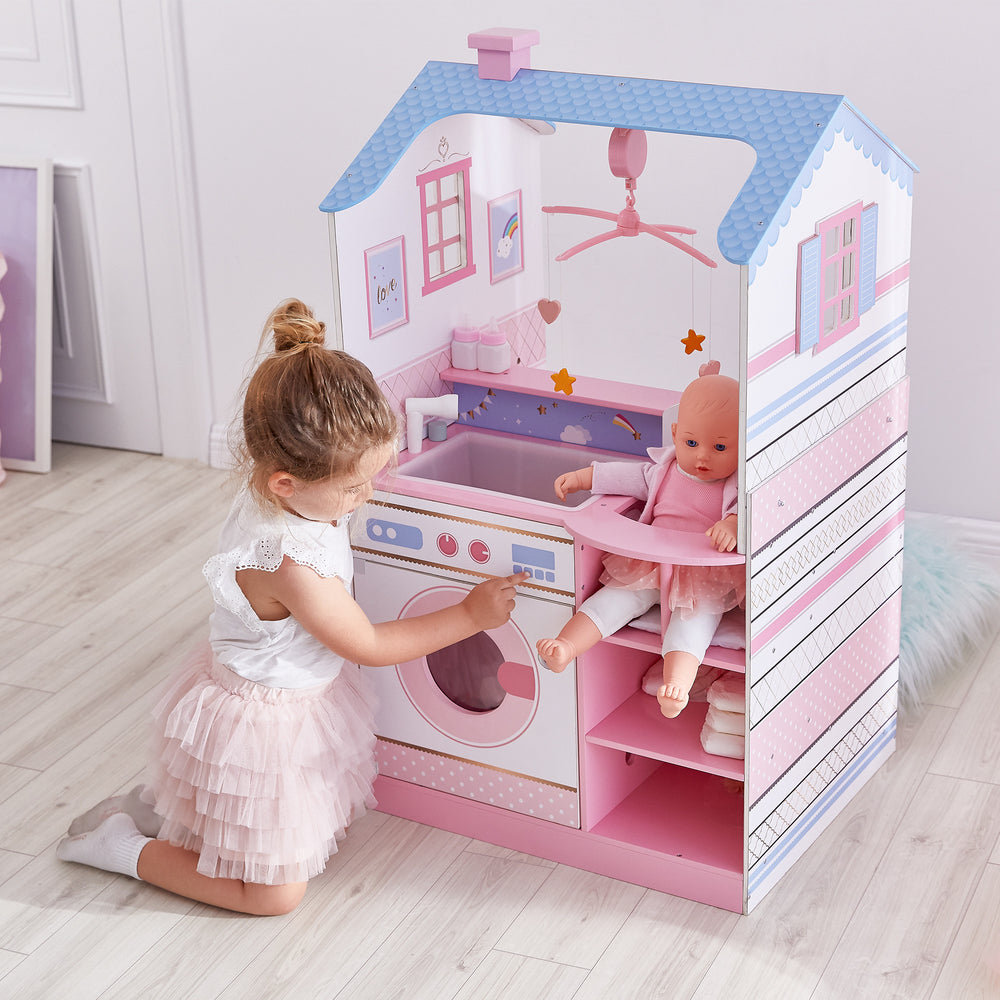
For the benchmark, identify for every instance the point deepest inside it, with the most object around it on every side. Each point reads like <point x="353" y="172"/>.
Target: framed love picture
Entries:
<point x="385" y="282"/>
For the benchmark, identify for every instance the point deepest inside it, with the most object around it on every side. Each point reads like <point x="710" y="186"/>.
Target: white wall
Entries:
<point x="282" y="101"/>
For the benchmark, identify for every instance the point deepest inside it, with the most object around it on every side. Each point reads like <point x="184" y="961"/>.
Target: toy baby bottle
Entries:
<point x="465" y="348"/>
<point x="494" y="351"/>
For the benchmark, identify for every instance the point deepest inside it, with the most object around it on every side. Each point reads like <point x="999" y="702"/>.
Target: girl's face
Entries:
<point x="706" y="443"/>
<point x="331" y="499"/>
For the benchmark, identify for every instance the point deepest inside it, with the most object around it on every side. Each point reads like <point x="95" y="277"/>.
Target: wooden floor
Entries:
<point x="101" y="593"/>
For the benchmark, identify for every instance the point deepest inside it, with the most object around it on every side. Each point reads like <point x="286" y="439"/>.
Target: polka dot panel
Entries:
<point x="479" y="783"/>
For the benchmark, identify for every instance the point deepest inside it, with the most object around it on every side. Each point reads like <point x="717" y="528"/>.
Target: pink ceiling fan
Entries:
<point x="627" y="158"/>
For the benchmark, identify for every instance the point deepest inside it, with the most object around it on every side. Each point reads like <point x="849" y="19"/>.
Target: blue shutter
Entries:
<point x="869" y="243"/>
<point x="807" y="326"/>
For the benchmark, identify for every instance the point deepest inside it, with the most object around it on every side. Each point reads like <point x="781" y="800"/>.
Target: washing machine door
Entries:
<point x="483" y="700"/>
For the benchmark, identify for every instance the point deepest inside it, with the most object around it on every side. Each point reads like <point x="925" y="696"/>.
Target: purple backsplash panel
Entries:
<point x="559" y="419"/>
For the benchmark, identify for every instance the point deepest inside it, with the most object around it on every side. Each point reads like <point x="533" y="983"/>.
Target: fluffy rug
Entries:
<point x="951" y="606"/>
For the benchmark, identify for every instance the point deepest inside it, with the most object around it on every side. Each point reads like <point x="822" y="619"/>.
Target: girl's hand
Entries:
<point x="491" y="602"/>
<point x="573" y="482"/>
<point x="723" y="534"/>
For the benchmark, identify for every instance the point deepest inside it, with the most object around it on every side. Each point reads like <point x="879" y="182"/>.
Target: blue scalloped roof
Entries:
<point x="789" y="131"/>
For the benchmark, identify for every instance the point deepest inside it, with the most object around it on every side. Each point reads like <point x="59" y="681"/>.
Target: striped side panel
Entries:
<point x="826" y="534"/>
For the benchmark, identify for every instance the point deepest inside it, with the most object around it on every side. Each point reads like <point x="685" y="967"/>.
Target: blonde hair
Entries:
<point x="308" y="410"/>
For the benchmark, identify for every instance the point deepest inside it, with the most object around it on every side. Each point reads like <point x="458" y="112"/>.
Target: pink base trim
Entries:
<point x="561" y="844"/>
<point x="892" y="279"/>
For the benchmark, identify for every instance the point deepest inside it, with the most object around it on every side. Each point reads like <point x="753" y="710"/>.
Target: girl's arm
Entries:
<point x="723" y="533"/>
<point x="325" y="609"/>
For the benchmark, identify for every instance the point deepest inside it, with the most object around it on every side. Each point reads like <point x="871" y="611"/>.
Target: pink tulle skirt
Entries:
<point x="261" y="782"/>
<point x="691" y="589"/>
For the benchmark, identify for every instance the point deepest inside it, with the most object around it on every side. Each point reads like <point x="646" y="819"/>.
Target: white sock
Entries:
<point x="138" y="803"/>
<point x="113" y="846"/>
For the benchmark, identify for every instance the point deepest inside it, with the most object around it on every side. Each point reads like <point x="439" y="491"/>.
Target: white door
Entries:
<point x="64" y="95"/>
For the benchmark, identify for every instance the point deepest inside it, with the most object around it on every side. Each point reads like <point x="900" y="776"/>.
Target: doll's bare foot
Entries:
<point x="673" y="699"/>
<point x="556" y="653"/>
<point x="679" y="672"/>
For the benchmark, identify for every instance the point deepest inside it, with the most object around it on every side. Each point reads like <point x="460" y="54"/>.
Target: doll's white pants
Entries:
<point x="612" y="607"/>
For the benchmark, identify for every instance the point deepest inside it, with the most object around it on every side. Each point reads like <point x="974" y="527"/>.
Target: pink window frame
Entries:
<point x="438" y="207"/>
<point x="835" y="300"/>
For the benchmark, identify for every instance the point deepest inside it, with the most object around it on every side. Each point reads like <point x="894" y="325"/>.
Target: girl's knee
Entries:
<point x="274" y="900"/>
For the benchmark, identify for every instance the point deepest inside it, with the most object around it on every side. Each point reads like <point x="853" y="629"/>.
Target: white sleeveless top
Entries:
<point x="282" y="653"/>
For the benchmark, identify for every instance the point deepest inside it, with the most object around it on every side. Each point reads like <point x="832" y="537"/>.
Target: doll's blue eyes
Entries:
<point x="691" y="443"/>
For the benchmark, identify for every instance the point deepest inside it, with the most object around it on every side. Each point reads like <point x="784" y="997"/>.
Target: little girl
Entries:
<point x="691" y="487"/>
<point x="265" y="740"/>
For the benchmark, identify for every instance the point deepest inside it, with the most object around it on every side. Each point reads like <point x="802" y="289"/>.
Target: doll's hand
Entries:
<point x="723" y="534"/>
<point x="491" y="602"/>
<point x="573" y="482"/>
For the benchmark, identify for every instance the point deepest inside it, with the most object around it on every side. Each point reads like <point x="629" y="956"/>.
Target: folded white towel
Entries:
<point x="722" y="744"/>
<point x="728" y="693"/>
<point x="725" y="722"/>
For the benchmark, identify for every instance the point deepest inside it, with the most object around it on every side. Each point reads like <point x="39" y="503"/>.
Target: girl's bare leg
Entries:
<point x="679" y="672"/>
<point x="175" y="869"/>
<point x="577" y="636"/>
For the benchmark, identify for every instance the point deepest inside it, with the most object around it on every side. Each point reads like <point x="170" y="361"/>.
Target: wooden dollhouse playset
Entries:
<point x="489" y="326"/>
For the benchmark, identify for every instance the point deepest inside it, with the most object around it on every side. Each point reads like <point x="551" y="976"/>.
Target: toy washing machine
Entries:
<point x="481" y="719"/>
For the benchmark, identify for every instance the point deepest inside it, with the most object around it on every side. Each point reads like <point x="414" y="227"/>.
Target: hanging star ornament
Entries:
<point x="692" y="342"/>
<point x="563" y="381"/>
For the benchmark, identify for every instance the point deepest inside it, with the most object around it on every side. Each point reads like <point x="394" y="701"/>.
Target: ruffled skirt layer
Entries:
<point x="261" y="782"/>
<point x="691" y="589"/>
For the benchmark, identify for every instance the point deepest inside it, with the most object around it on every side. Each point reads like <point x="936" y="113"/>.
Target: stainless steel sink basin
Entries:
<point x="503" y="463"/>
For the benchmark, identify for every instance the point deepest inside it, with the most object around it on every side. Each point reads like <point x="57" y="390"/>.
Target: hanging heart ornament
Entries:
<point x="549" y="309"/>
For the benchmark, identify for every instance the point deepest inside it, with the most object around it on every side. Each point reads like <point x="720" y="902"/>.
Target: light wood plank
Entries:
<point x="792" y="934"/>
<point x="663" y="951"/>
<point x="572" y="919"/>
<point x="972" y="749"/>
<point x="17" y="637"/>
<point x="41" y="737"/>
<point x="145" y="595"/>
<point x="926" y="880"/>
<point x="98" y="944"/>
<point x="972" y="969"/>
<point x="505" y="977"/>
<point x="441" y="942"/>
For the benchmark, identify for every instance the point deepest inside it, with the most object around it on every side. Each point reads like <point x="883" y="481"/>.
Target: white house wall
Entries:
<point x="505" y="158"/>
<point x="825" y="477"/>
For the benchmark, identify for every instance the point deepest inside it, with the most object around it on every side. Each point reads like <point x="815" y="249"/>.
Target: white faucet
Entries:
<point x="418" y="407"/>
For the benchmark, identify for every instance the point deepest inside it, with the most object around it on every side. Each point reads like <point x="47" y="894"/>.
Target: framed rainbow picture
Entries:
<point x="506" y="242"/>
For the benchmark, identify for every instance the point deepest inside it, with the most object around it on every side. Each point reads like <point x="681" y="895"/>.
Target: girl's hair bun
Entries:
<point x="295" y="326"/>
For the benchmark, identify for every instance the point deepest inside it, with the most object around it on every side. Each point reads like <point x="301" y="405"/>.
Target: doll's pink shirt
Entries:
<point x="673" y="500"/>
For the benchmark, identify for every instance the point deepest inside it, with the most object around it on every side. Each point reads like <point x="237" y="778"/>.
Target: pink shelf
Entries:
<point x="650" y="642"/>
<point x="595" y="391"/>
<point x="688" y="816"/>
<point x="637" y="726"/>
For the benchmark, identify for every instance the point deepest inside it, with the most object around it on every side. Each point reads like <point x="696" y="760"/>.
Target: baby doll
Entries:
<point x="691" y="486"/>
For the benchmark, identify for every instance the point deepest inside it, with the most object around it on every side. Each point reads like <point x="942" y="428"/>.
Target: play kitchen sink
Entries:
<point x="507" y="464"/>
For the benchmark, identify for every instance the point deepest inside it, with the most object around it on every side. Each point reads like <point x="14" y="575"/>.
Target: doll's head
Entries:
<point x="707" y="432"/>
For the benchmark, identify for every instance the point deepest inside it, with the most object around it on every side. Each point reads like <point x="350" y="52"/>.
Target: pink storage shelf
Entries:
<point x="691" y="817"/>
<point x="637" y="726"/>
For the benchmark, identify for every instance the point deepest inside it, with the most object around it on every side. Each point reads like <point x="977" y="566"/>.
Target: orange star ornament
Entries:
<point x="692" y="342"/>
